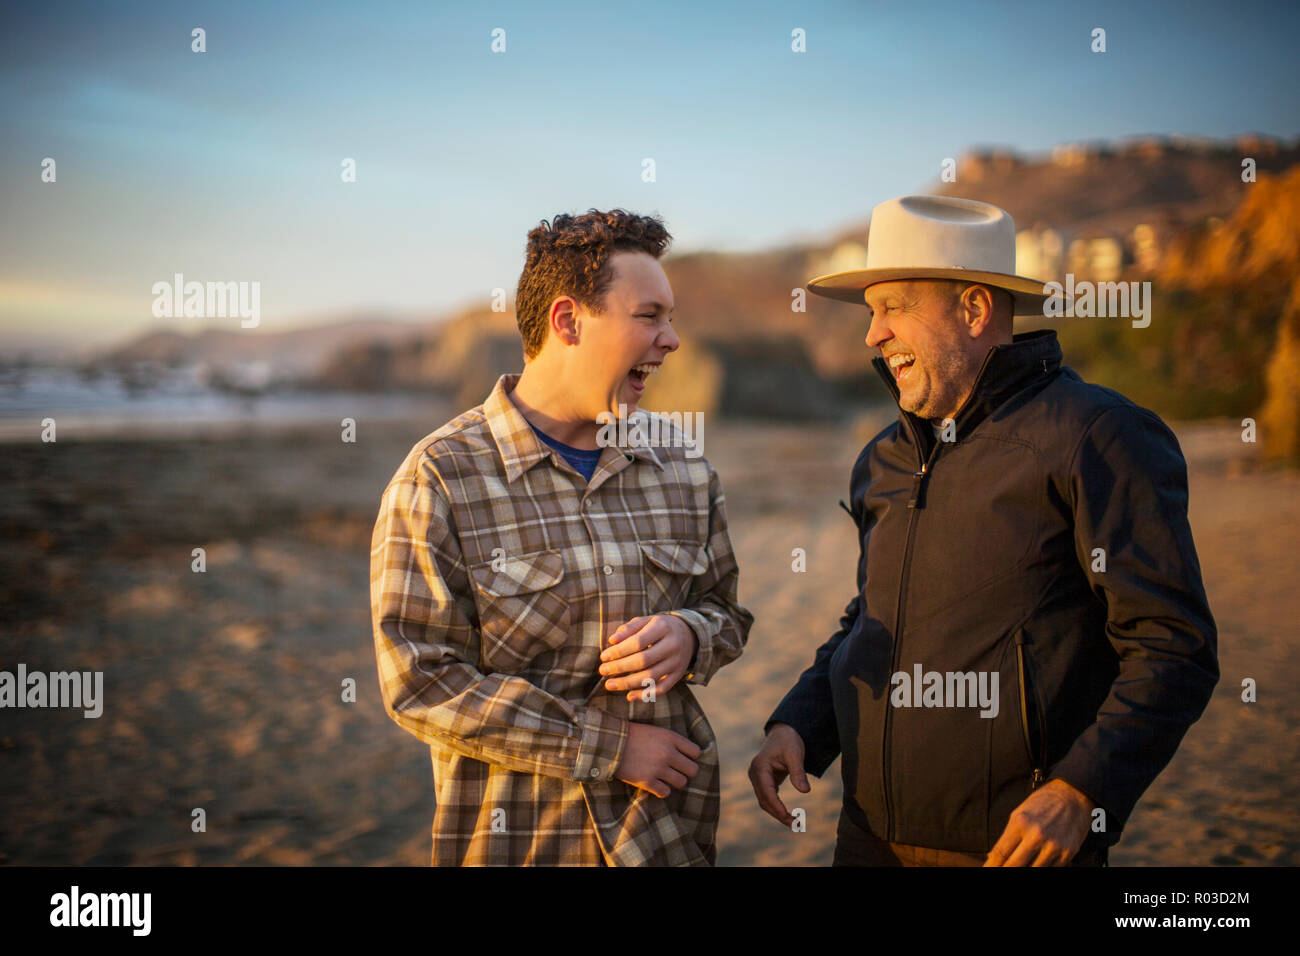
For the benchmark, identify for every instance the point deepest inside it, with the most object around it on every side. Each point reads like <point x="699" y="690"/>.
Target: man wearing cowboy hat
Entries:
<point x="1030" y="639"/>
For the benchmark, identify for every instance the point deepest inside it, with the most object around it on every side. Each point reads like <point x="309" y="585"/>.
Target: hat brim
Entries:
<point x="1027" y="294"/>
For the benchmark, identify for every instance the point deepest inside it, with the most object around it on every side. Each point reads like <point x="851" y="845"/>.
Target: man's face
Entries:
<point x="619" y="349"/>
<point x="931" y="355"/>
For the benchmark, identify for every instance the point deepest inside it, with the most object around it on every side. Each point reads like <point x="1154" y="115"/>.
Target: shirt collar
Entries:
<point x="518" y="444"/>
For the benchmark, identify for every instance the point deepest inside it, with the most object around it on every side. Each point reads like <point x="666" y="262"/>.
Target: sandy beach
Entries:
<point x="223" y="689"/>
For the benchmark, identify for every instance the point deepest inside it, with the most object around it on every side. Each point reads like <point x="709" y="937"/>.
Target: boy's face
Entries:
<point x="619" y="349"/>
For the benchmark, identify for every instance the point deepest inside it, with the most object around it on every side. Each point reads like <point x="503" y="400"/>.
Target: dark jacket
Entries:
<point x="979" y="555"/>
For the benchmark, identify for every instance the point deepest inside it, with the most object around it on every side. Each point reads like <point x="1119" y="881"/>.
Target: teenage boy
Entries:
<point x="543" y="598"/>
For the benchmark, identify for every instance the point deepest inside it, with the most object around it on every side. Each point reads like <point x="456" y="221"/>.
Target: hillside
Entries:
<point x="1105" y="189"/>
<point x="290" y="355"/>
<point x="1218" y="298"/>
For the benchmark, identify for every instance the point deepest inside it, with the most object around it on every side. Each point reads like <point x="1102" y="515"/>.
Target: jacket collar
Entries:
<point x="1006" y="370"/>
<point x="518" y="444"/>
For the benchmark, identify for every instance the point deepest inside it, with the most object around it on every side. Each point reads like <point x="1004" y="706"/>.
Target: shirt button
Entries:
<point x="607" y="569"/>
<point x="595" y="771"/>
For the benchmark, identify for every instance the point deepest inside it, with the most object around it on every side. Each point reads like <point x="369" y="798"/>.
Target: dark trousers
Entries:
<point x="855" y="846"/>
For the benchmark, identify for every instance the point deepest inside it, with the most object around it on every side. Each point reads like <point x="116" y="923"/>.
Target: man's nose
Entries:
<point x="877" y="332"/>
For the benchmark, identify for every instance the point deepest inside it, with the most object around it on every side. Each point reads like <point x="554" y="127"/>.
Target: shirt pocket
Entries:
<point x="667" y="570"/>
<point x="522" y="610"/>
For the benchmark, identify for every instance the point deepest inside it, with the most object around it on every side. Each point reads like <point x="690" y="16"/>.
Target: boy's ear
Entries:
<point x="565" y="324"/>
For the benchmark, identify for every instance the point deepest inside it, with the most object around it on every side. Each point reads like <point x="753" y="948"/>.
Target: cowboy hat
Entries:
<point x="938" y="237"/>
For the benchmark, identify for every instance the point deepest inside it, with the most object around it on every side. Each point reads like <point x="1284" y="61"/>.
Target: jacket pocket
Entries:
<point x="1010" y="760"/>
<point x="522" y="612"/>
<point x="1031" y="714"/>
<point x="667" y="569"/>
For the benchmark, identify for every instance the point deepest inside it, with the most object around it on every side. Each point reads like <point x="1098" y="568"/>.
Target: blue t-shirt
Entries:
<point x="581" y="459"/>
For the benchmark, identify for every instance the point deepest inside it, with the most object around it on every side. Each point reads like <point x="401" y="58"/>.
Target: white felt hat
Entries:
<point x="938" y="237"/>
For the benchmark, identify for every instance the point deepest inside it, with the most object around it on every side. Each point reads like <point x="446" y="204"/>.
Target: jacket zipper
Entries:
<point x="1035" y="763"/>
<point x="914" y="504"/>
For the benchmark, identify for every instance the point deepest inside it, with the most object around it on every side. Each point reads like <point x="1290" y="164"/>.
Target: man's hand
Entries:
<point x="657" y="759"/>
<point x="781" y="754"/>
<point x="656" y="648"/>
<point x="1047" y="829"/>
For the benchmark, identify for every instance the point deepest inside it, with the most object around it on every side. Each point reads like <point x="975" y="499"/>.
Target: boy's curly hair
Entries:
<point x="570" y="256"/>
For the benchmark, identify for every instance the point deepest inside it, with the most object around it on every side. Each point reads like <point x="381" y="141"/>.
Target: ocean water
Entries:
<point x="179" y="406"/>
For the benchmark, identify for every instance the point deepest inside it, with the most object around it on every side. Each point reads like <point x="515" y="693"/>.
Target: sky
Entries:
<point x="226" y="165"/>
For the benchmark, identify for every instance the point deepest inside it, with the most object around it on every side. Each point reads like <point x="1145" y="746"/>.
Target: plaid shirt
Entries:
<point x="497" y="574"/>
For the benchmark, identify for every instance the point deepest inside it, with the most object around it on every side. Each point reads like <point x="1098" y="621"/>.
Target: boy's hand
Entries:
<point x="657" y="648"/>
<point x="657" y="759"/>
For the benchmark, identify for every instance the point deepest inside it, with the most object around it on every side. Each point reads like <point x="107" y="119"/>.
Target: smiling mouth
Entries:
<point x="640" y="373"/>
<point x="900" y="363"/>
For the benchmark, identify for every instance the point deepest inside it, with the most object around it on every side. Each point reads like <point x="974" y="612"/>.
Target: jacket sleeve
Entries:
<point x="809" y="707"/>
<point x="712" y="611"/>
<point x="427" y="647"/>
<point x="1129" y="494"/>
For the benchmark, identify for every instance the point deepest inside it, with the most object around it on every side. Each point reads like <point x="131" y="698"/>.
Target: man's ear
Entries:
<point x="977" y="310"/>
<point x="565" y="323"/>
